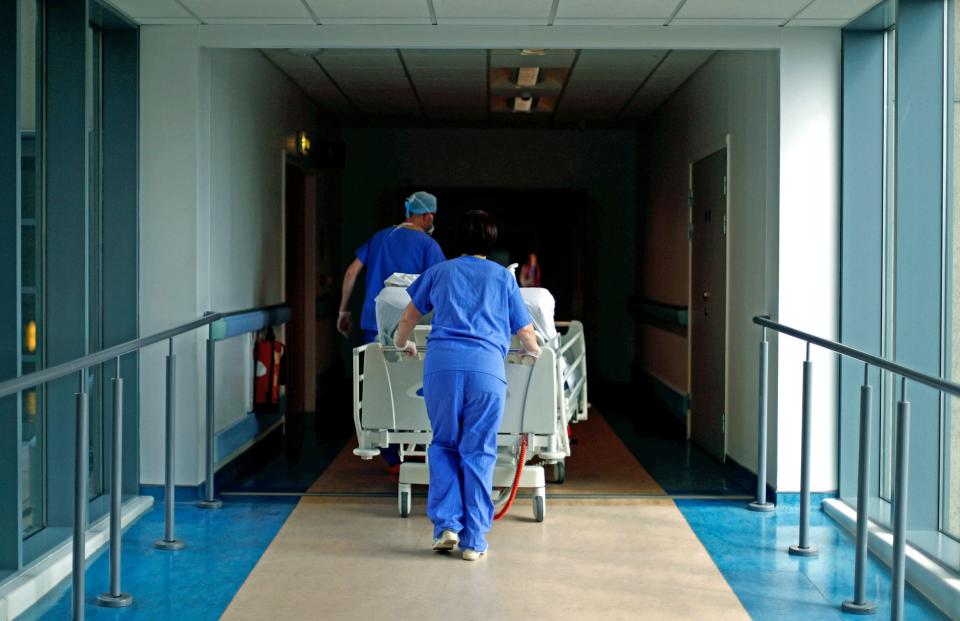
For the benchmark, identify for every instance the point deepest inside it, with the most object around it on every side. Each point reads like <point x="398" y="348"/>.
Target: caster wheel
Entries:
<point x="559" y="472"/>
<point x="539" y="508"/>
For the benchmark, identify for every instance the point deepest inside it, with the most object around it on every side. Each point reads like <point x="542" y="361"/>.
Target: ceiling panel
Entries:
<point x="546" y="59"/>
<point x="740" y="9"/>
<point x="250" y="11"/>
<point x="155" y="11"/>
<point x="817" y="23"/>
<point x="303" y="70"/>
<point x="534" y="12"/>
<point x="675" y="69"/>
<point x="370" y="11"/>
<point x="446" y="59"/>
<point x="604" y="81"/>
<point x="373" y="80"/>
<point x="633" y="12"/>
<point x="837" y="9"/>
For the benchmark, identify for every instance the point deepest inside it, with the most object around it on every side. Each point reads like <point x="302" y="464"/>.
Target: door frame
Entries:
<point x="700" y="155"/>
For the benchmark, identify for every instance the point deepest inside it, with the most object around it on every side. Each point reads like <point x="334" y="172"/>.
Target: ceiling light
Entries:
<point x="523" y="103"/>
<point x="533" y="51"/>
<point x="528" y="76"/>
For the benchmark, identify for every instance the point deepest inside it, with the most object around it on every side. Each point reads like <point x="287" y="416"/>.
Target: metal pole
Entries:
<point x="804" y="548"/>
<point x="900" y="494"/>
<point x="116" y="598"/>
<point x="859" y="603"/>
<point x="209" y="501"/>
<point x="169" y="541"/>
<point x="761" y="504"/>
<point x="80" y="497"/>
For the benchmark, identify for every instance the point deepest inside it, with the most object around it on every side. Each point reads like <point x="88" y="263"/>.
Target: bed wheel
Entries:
<point x="405" y="501"/>
<point x="559" y="472"/>
<point x="539" y="506"/>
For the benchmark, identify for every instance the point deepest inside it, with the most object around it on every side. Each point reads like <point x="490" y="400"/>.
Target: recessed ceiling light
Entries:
<point x="528" y="76"/>
<point x="523" y="103"/>
<point x="533" y="51"/>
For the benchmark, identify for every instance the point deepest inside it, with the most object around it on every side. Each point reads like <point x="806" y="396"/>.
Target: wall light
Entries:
<point x="303" y="144"/>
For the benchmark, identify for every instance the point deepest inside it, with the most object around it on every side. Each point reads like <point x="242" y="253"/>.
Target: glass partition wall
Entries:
<point x="900" y="292"/>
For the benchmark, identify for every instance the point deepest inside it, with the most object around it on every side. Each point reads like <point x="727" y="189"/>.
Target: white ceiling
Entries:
<point x="470" y="86"/>
<point x="517" y="12"/>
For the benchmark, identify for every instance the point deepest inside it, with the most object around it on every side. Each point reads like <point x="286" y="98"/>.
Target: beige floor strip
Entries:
<point x="342" y="559"/>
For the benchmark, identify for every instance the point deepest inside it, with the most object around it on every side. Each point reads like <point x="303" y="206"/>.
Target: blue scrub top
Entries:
<point x="476" y="306"/>
<point x="403" y="249"/>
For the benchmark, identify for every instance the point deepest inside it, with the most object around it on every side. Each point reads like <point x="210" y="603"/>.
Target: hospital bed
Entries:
<point x="543" y="398"/>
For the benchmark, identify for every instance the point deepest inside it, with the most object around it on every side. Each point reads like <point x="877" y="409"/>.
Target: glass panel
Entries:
<point x="951" y="427"/>
<point x="95" y="343"/>
<point x="887" y="390"/>
<point x="32" y="436"/>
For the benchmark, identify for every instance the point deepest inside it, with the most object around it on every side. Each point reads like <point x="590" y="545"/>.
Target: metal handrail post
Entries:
<point x="209" y="500"/>
<point x="859" y="603"/>
<point x="761" y="504"/>
<point x="169" y="541"/>
<point x="116" y="598"/>
<point x="80" y="497"/>
<point x="804" y="548"/>
<point x="900" y="495"/>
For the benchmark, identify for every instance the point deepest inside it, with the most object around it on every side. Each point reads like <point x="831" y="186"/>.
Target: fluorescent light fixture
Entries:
<point x="528" y="76"/>
<point x="533" y="51"/>
<point x="523" y="103"/>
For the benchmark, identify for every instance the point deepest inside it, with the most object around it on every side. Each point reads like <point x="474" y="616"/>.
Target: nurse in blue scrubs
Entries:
<point x="476" y="307"/>
<point x="406" y="248"/>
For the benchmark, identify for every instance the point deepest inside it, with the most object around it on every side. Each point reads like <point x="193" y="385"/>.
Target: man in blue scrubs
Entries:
<point x="404" y="248"/>
<point x="476" y="306"/>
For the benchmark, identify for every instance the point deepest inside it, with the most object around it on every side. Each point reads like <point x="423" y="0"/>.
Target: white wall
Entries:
<point x="784" y="206"/>
<point x="603" y="162"/>
<point x="214" y="124"/>
<point x="735" y="94"/>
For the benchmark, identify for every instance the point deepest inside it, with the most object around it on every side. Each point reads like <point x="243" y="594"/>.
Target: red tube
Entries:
<point x="516" y="479"/>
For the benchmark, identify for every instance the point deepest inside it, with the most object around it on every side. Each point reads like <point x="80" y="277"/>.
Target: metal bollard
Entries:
<point x="804" y="548"/>
<point x="209" y="501"/>
<point x="900" y="494"/>
<point x="859" y="603"/>
<point x="116" y="598"/>
<point x="169" y="541"/>
<point x="761" y="504"/>
<point x="80" y="497"/>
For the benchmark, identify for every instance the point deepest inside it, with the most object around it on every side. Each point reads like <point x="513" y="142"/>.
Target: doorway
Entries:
<point x="708" y="302"/>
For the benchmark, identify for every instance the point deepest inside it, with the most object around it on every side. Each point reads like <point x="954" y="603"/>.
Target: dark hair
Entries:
<point x="477" y="233"/>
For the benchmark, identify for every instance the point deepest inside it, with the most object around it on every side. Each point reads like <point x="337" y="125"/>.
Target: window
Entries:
<point x="31" y="290"/>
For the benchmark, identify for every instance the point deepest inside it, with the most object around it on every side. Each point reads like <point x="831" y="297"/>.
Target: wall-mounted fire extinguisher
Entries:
<point x="267" y="361"/>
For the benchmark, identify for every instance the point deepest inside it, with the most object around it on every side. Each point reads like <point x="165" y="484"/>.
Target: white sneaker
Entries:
<point x="469" y="554"/>
<point x="446" y="542"/>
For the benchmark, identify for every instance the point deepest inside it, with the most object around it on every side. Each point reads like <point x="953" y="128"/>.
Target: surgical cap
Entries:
<point x="420" y="203"/>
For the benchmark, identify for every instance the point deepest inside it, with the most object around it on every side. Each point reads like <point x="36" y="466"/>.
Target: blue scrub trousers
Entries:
<point x="465" y="409"/>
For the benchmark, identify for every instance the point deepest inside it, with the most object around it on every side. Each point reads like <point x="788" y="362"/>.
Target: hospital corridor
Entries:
<point x="479" y="309"/>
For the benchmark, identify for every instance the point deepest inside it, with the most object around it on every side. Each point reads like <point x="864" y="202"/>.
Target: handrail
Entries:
<point x="43" y="376"/>
<point x="115" y="598"/>
<point x="851" y="352"/>
<point x="859" y="604"/>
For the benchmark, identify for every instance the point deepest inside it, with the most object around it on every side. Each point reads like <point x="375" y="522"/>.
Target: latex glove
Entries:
<point x="409" y="348"/>
<point x="529" y="357"/>
<point x="344" y="323"/>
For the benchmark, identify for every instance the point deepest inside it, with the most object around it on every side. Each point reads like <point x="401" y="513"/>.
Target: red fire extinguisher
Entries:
<point x="267" y="358"/>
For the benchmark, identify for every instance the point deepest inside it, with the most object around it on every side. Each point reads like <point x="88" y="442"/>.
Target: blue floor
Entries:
<point x="750" y="549"/>
<point x="196" y="583"/>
